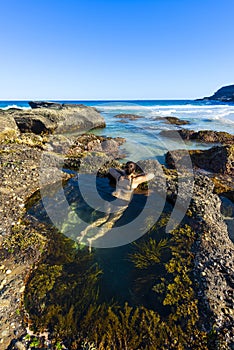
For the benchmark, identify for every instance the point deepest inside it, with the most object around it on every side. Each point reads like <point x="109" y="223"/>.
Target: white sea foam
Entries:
<point x="163" y="113"/>
<point x="122" y="107"/>
<point x="223" y="113"/>
<point x="14" y="106"/>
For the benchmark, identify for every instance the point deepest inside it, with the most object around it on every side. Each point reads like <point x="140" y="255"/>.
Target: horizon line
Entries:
<point x="108" y="99"/>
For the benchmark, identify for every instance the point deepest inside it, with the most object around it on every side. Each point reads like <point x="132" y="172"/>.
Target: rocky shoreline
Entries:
<point x="203" y="136"/>
<point x="27" y="135"/>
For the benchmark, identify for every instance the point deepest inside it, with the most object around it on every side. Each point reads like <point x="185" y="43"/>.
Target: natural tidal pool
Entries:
<point x="139" y="295"/>
<point x="118" y="278"/>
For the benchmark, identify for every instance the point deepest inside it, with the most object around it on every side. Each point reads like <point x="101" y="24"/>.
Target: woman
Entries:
<point x="126" y="182"/>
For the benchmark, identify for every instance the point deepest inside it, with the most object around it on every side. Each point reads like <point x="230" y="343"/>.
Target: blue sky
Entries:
<point x="115" y="49"/>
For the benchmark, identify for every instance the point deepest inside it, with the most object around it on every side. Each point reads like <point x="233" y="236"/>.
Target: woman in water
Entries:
<point x="126" y="182"/>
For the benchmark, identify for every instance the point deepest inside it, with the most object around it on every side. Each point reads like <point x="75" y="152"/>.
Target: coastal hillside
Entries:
<point x="224" y="94"/>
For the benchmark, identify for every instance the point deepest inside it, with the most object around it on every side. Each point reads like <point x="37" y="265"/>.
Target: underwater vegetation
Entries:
<point x="149" y="253"/>
<point x="62" y="296"/>
<point x="61" y="288"/>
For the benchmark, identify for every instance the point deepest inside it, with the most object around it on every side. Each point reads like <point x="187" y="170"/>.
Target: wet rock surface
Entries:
<point x="224" y="185"/>
<point x="19" y="244"/>
<point x="176" y="121"/>
<point x="214" y="256"/>
<point x="125" y="117"/>
<point x="218" y="159"/>
<point x="214" y="247"/>
<point x="203" y="136"/>
<point x="45" y="104"/>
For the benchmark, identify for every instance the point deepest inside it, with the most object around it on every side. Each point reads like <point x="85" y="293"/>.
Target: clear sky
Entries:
<point x="115" y="49"/>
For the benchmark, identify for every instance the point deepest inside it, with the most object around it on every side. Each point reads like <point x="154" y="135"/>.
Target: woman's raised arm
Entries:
<point x="115" y="173"/>
<point x="143" y="178"/>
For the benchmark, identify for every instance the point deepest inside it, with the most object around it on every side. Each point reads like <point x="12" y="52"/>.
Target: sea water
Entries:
<point x="143" y="139"/>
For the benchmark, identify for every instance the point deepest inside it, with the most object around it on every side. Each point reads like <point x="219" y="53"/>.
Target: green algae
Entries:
<point x="60" y="287"/>
<point x="62" y="296"/>
<point x="25" y="238"/>
<point x="66" y="296"/>
<point x="149" y="253"/>
<point x="223" y="187"/>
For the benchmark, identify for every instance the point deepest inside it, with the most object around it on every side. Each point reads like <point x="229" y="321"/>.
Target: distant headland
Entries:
<point x="224" y="94"/>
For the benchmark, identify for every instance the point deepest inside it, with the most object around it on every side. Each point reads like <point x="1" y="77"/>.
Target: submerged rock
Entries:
<point x="206" y="136"/>
<point x="176" y="121"/>
<point x="123" y="116"/>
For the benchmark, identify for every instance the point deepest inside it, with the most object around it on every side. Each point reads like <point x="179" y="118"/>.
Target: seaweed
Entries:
<point x="62" y="296"/>
<point x="61" y="288"/>
<point x="149" y="253"/>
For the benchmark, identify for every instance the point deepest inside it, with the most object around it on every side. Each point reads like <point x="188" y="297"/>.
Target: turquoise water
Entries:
<point x="142" y="135"/>
<point x="118" y="280"/>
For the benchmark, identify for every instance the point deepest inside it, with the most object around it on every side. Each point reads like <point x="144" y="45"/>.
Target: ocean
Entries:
<point x="143" y="139"/>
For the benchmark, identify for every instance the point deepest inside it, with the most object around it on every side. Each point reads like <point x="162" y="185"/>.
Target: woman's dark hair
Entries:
<point x="130" y="167"/>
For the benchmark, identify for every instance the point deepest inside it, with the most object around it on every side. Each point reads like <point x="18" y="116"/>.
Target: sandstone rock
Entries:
<point x="206" y="136"/>
<point x="218" y="159"/>
<point x="128" y="116"/>
<point x="111" y="147"/>
<point x="224" y="186"/>
<point x="174" y="157"/>
<point x="176" y="121"/>
<point x="122" y="121"/>
<point x="213" y="253"/>
<point x="93" y="143"/>
<point x="80" y="118"/>
<point x="44" y="104"/>
<point x="34" y="123"/>
<point x="213" y="136"/>
<point x="57" y="118"/>
<point x="58" y="143"/>
<point x="8" y="128"/>
<point x="52" y="105"/>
